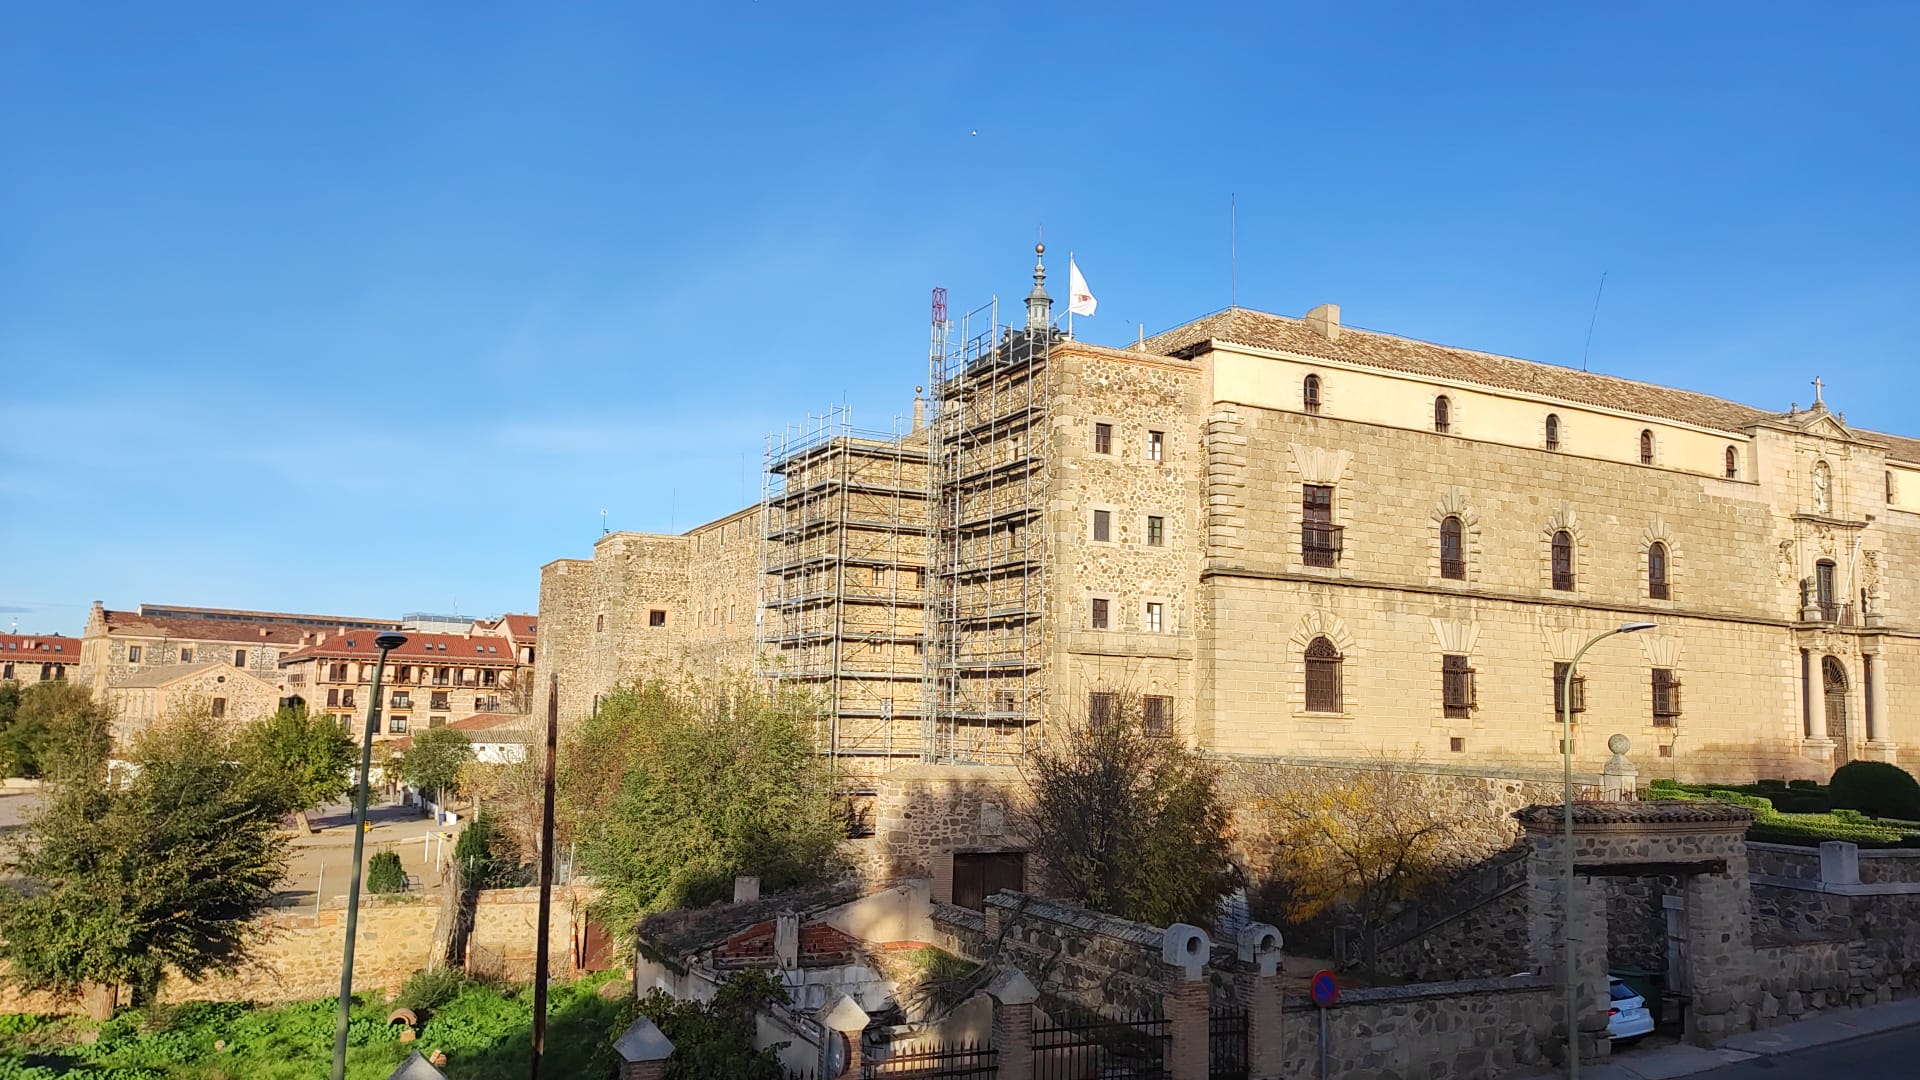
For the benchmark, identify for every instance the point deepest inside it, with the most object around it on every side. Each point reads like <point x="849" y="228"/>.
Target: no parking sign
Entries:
<point x="1325" y="990"/>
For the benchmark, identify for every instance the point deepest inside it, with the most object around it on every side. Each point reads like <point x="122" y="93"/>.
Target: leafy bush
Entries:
<point x="426" y="991"/>
<point x="384" y="874"/>
<point x="1804" y="785"/>
<point x="1877" y="789"/>
<point x="1760" y="806"/>
<point x="1850" y="817"/>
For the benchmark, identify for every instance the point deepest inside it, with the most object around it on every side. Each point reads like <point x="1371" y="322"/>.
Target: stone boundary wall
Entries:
<point x="1888" y="865"/>
<point x="1802" y="977"/>
<point x="1094" y="961"/>
<point x="1476" y="1029"/>
<point x="505" y="933"/>
<point x="1487" y="940"/>
<point x="299" y="959"/>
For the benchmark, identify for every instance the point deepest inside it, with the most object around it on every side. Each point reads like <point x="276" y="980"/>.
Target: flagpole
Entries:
<point x="1069" y="294"/>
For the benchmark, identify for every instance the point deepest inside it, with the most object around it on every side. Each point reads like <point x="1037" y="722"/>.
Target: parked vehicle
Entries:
<point x="1627" y="1014"/>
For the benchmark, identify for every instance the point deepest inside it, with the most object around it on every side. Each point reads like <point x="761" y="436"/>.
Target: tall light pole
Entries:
<point x="386" y="644"/>
<point x="1566" y="841"/>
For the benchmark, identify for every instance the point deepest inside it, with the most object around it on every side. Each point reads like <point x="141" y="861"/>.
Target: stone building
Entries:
<point x="429" y="680"/>
<point x="227" y="693"/>
<point x="32" y="658"/>
<point x="1290" y="539"/>
<point x="120" y="644"/>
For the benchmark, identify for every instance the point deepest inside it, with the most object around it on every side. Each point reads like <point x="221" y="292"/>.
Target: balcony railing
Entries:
<point x="1831" y="612"/>
<point x="1320" y="544"/>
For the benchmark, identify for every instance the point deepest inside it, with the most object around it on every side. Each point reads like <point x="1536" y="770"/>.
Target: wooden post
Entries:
<point x="546" y="883"/>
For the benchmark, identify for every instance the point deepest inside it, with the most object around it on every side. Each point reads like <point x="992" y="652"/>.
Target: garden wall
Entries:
<point x="1475" y="1029"/>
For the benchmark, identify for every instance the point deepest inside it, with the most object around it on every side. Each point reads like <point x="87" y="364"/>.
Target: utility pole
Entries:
<point x="546" y="883"/>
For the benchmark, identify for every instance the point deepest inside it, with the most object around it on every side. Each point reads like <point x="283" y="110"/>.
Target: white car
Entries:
<point x="1627" y="1013"/>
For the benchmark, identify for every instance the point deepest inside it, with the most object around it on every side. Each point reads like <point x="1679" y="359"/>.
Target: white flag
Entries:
<point x="1080" y="301"/>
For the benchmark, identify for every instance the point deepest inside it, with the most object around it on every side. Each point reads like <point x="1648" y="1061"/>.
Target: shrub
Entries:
<point x="426" y="991"/>
<point x="1849" y="817"/>
<point x="1877" y="789"/>
<point x="1804" y="785"/>
<point x="1761" y="807"/>
<point x="384" y="874"/>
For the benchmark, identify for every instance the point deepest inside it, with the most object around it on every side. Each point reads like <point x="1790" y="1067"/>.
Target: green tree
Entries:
<point x="713" y="1040"/>
<point x="435" y="760"/>
<point x="118" y="882"/>
<point x="1129" y="822"/>
<point x="49" y="722"/>
<point x="672" y="791"/>
<point x="299" y="759"/>
<point x="1877" y="789"/>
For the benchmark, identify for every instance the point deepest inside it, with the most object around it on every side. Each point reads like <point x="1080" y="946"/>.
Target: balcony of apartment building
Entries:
<point x="1822" y="600"/>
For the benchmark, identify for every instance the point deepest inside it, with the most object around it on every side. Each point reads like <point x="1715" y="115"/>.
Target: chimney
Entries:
<point x="786" y="940"/>
<point x="1325" y="321"/>
<point x="746" y="889"/>
<point x="919" y="410"/>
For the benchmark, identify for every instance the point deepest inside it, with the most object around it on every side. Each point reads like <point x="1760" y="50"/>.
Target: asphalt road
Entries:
<point x="1890" y="1054"/>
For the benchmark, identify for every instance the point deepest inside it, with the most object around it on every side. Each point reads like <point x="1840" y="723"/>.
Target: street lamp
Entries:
<point x="386" y="644"/>
<point x="1566" y="840"/>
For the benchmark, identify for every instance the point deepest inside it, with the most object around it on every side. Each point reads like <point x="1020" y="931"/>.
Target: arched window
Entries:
<point x="1646" y="447"/>
<point x="1563" y="560"/>
<point x="1442" y="414"/>
<point x="1657" y="572"/>
<point x="1453" y="551"/>
<point x="1553" y="431"/>
<point x="1733" y="463"/>
<point x="1310" y="394"/>
<point x="1323" y="676"/>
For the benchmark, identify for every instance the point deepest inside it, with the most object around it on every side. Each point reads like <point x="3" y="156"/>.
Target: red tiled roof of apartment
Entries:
<point x="478" y="650"/>
<point x="234" y="631"/>
<point x="1244" y="326"/>
<point x="520" y="627"/>
<point x="43" y="646"/>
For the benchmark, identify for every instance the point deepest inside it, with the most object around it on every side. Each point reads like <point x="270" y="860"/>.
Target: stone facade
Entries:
<point x="925" y="813"/>
<point x="1470" y="1030"/>
<point x="226" y="692"/>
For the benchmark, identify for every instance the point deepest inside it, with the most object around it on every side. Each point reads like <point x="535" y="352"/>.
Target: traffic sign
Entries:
<point x="1325" y="990"/>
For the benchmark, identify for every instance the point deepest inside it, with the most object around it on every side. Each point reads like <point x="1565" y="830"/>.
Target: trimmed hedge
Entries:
<point x="1796" y="815"/>
<point x="1877" y="789"/>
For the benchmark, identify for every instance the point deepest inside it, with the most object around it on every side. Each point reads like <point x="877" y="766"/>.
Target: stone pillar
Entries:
<point x="1256" y="986"/>
<point x="1185" y="1002"/>
<point x="1585" y="933"/>
<point x="1720" y="952"/>
<point x="1874" y="674"/>
<point x="1839" y="863"/>
<point x="1013" y="997"/>
<point x="643" y="1051"/>
<point x="845" y="1017"/>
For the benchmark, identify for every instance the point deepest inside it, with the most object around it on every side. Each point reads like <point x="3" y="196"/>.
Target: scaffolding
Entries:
<point x="987" y="447"/>
<point x="843" y="565"/>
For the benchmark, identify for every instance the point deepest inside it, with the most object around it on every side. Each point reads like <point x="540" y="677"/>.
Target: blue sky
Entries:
<point x="374" y="308"/>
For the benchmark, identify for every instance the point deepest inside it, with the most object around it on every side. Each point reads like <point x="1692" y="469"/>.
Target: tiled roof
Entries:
<point x="1662" y="811"/>
<point x="520" y="627"/>
<point x="166" y="673"/>
<point x="43" y="647"/>
<point x="475" y="650"/>
<point x="1243" y="326"/>
<point x="487" y="721"/>
<point x="134" y="624"/>
<point x="678" y="933"/>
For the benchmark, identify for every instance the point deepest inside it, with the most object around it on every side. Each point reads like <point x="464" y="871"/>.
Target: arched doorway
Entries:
<point x="1833" y="681"/>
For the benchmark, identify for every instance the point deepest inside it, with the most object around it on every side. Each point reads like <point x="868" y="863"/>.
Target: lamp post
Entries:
<point x="386" y="643"/>
<point x="1566" y="840"/>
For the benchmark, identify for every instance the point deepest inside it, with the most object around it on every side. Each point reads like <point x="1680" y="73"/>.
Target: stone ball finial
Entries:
<point x="1619" y="744"/>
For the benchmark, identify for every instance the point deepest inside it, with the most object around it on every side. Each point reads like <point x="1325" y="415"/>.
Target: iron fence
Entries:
<point x="960" y="1062"/>
<point x="1227" y="1045"/>
<point x="1102" y="1050"/>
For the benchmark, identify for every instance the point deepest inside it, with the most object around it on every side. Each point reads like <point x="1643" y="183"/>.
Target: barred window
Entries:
<point x="1156" y="715"/>
<point x="1319" y="537"/>
<point x="1666" y="697"/>
<point x="1103" y="438"/>
<point x="1099" y="613"/>
<point x="1310" y="394"/>
<point x="1563" y="560"/>
<point x="1733" y="464"/>
<point x="1453" y="551"/>
<point x="1657" y="572"/>
<point x="1442" y="414"/>
<point x="1646" y="447"/>
<point x="1560" y="690"/>
<point x="1103" y="707"/>
<point x="1323" y="676"/>
<point x="1553" y="431"/>
<point x="1456" y="680"/>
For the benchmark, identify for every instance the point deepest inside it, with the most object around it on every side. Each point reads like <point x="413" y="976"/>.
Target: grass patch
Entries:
<point x="484" y="1029"/>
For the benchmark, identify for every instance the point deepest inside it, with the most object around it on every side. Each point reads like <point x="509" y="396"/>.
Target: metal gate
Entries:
<point x="1227" y="1045"/>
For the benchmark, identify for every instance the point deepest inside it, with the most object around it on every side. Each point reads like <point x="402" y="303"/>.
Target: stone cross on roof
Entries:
<point x="1816" y="391"/>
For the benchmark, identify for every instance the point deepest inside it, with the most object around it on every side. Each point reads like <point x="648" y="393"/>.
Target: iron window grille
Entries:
<point x="1657" y="586"/>
<point x="1457" y="687"/>
<point x="1733" y="464"/>
<point x="1646" y="447"/>
<point x="1453" y="554"/>
<point x="1560" y="689"/>
<point x="1310" y="394"/>
<point x="1323" y="676"/>
<point x="1553" y="432"/>
<point x="1103" y="707"/>
<point x="1666" y="697"/>
<point x="1156" y="715"/>
<point x="1442" y="414"/>
<point x="1563" y="560"/>
<point x="1319" y="537"/>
